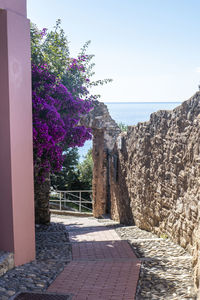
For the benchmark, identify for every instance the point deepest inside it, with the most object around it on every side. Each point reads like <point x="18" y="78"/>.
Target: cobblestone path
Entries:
<point x="53" y="252"/>
<point x="104" y="267"/>
<point x="166" y="268"/>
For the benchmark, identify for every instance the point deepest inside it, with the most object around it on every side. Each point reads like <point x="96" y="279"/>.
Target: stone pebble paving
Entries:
<point x="53" y="252"/>
<point x="166" y="269"/>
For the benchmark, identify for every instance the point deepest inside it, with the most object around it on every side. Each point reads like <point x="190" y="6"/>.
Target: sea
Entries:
<point x="130" y="113"/>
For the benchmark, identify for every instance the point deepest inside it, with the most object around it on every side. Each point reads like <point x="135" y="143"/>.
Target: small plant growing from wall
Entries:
<point x="123" y="127"/>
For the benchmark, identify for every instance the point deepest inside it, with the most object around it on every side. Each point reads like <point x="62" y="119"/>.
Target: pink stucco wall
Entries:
<point x="17" y="6"/>
<point x="16" y="158"/>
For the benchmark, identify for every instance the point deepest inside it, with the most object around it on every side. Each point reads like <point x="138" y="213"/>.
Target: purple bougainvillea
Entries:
<point x="56" y="113"/>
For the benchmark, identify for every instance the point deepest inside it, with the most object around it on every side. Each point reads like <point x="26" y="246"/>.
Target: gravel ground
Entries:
<point x="166" y="270"/>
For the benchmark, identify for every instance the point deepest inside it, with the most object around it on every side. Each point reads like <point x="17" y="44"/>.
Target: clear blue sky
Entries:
<point x="150" y="48"/>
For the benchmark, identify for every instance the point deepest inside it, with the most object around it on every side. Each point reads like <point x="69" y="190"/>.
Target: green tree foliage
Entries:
<point x="50" y="48"/>
<point x="85" y="170"/>
<point x="123" y="127"/>
<point x="74" y="175"/>
<point x="68" y="177"/>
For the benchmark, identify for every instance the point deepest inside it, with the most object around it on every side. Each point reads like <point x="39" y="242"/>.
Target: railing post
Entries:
<point x="80" y="201"/>
<point x="65" y="200"/>
<point x="60" y="202"/>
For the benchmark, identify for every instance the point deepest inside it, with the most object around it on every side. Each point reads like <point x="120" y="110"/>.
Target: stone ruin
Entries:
<point x="150" y="175"/>
<point x="105" y="131"/>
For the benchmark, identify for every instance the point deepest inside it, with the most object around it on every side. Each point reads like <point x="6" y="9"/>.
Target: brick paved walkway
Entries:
<point x="103" y="266"/>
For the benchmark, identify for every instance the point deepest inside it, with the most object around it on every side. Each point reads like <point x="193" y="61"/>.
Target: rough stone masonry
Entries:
<point x="155" y="176"/>
<point x="105" y="131"/>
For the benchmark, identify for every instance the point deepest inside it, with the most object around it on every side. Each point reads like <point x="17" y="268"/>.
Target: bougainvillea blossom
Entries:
<point x="56" y="113"/>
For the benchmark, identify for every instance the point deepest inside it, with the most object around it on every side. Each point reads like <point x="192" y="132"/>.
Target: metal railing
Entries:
<point x="71" y="200"/>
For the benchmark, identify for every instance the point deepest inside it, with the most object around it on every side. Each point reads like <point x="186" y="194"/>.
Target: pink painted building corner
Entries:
<point x="17" y="232"/>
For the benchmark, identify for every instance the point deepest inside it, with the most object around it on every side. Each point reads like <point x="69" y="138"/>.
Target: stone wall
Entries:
<point x="6" y="262"/>
<point x="105" y="131"/>
<point x="41" y="195"/>
<point x="99" y="181"/>
<point x="155" y="176"/>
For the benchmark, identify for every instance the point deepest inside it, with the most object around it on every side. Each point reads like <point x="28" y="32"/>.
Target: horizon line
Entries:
<point x="141" y="102"/>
